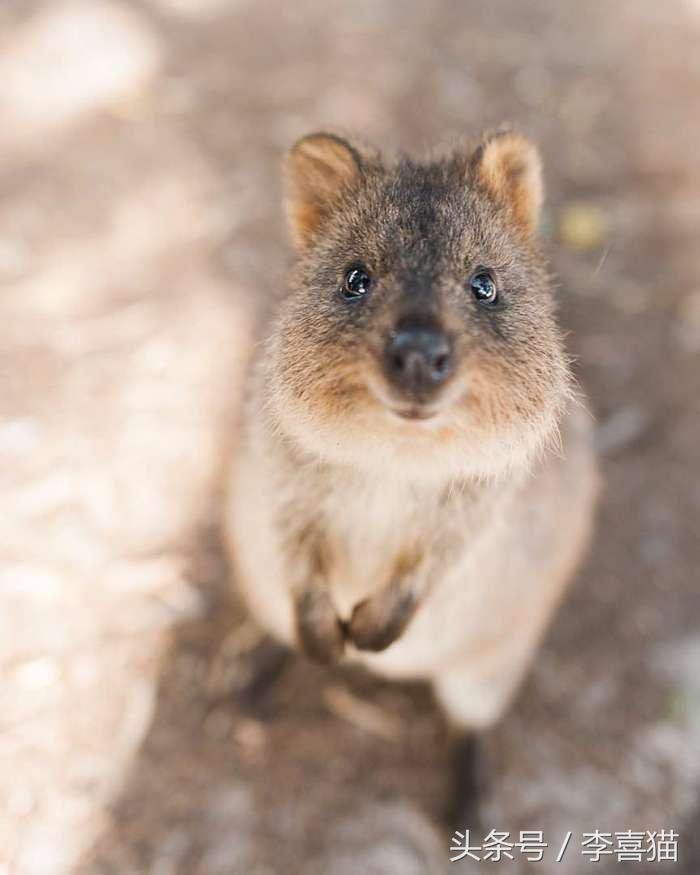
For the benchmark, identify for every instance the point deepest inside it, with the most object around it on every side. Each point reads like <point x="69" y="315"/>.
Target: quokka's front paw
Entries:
<point x="320" y="632"/>
<point x="379" y="621"/>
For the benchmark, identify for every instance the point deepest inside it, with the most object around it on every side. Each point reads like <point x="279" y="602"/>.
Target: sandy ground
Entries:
<point x="141" y="241"/>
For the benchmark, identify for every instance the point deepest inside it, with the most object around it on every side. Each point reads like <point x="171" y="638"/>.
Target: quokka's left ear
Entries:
<point x="508" y="166"/>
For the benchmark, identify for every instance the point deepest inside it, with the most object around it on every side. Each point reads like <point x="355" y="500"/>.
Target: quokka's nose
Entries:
<point x="418" y="357"/>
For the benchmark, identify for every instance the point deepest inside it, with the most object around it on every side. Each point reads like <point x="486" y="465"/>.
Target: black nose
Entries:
<point x="418" y="358"/>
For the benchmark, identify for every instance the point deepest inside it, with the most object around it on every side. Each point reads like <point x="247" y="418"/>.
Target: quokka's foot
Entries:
<point x="258" y="671"/>
<point x="468" y="780"/>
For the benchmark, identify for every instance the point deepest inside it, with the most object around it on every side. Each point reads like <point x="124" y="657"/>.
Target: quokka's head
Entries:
<point x="419" y="330"/>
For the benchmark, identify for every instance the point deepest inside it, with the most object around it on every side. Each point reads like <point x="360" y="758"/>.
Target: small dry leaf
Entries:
<point x="249" y="734"/>
<point x="582" y="226"/>
<point x="361" y="714"/>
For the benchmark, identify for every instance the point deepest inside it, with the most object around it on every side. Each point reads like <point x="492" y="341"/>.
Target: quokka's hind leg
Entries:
<point x="468" y="782"/>
<point x="265" y="666"/>
<point x="475" y="701"/>
<point x="477" y="687"/>
<point x="247" y="672"/>
<point x="474" y="697"/>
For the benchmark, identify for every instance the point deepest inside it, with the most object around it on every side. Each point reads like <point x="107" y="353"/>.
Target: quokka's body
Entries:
<point x="414" y="483"/>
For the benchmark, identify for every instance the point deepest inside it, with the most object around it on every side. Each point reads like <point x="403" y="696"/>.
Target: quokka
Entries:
<point x="415" y="481"/>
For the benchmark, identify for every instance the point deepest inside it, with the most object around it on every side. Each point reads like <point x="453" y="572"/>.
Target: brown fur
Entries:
<point x="443" y="541"/>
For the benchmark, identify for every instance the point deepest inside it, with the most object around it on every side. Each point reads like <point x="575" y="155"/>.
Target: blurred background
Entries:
<point x="141" y="243"/>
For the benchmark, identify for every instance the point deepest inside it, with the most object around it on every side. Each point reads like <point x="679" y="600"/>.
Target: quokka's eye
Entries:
<point x="356" y="283"/>
<point x="483" y="286"/>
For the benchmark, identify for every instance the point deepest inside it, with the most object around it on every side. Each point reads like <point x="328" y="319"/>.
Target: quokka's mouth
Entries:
<point x="407" y="409"/>
<point x="414" y="413"/>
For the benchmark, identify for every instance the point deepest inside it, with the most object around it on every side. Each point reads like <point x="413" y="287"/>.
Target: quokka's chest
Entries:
<point x="369" y="526"/>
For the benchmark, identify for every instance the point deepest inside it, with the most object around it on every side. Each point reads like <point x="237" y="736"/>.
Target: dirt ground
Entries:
<point x="141" y="242"/>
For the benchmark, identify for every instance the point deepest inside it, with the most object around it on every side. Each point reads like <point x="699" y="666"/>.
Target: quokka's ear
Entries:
<point x="318" y="169"/>
<point x="508" y="166"/>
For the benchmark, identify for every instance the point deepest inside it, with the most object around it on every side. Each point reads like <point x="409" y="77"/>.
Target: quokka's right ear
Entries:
<point x="508" y="167"/>
<point x="319" y="168"/>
